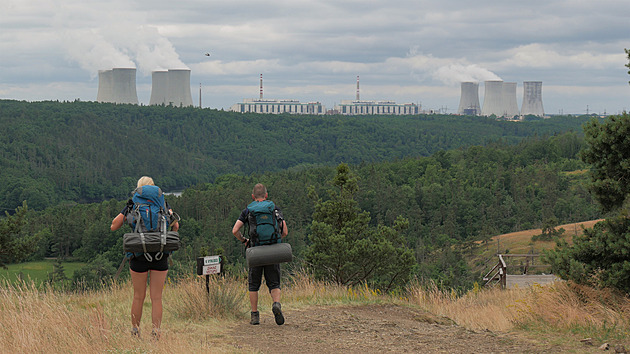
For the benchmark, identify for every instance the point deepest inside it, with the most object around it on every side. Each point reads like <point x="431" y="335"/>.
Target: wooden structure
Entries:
<point x="499" y="273"/>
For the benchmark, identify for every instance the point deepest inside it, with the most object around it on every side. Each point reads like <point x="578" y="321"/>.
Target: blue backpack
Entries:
<point x="149" y="210"/>
<point x="264" y="228"/>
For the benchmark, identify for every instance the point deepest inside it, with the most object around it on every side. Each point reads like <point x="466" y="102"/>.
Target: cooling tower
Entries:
<point x="510" y="106"/>
<point x="179" y="87"/>
<point x="159" y="88"/>
<point x="532" y="99"/>
<point x="493" y="99"/>
<point x="124" y="85"/>
<point x="105" y="86"/>
<point x="469" y="100"/>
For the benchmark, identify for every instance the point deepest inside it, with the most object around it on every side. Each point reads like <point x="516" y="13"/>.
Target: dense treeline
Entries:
<point x="450" y="198"/>
<point x="52" y="152"/>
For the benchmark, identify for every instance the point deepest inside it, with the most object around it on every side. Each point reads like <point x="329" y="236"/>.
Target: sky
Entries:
<point x="408" y="51"/>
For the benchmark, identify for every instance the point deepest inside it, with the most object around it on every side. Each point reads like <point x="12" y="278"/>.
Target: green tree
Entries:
<point x="347" y="249"/>
<point x="15" y="244"/>
<point x="608" y="153"/>
<point x="549" y="231"/>
<point x="628" y="65"/>
<point x="96" y="273"/>
<point x="599" y="257"/>
<point x="58" y="277"/>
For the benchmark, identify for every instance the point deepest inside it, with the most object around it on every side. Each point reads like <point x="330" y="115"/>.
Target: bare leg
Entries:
<point x="156" y="285"/>
<point x="253" y="300"/>
<point x="139" y="282"/>
<point x="275" y="295"/>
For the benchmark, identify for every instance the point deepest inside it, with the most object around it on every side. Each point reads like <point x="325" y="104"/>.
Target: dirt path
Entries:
<point x="371" y="329"/>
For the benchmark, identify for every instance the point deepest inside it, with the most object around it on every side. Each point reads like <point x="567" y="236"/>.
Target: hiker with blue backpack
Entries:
<point x="266" y="226"/>
<point x="147" y="211"/>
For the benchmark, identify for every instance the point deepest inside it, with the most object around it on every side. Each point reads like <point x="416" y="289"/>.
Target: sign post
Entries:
<point x="209" y="265"/>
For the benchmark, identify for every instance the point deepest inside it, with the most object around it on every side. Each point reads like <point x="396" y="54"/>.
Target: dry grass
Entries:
<point x="38" y="320"/>
<point x="35" y="319"/>
<point x="520" y="241"/>
<point x="559" y="308"/>
<point x="305" y="291"/>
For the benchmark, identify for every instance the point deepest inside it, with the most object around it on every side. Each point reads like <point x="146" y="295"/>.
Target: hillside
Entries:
<point x="53" y="152"/>
<point x="520" y="242"/>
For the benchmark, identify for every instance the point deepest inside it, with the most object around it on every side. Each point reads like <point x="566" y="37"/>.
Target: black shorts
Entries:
<point x="272" y="277"/>
<point x="140" y="264"/>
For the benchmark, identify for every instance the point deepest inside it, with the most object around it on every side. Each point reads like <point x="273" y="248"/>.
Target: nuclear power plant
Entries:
<point x="510" y="106"/>
<point x="171" y="87"/>
<point x="469" y="100"/>
<point x="117" y="85"/>
<point x="532" y="99"/>
<point x="500" y="99"/>
<point x="168" y="87"/>
<point x="493" y="99"/>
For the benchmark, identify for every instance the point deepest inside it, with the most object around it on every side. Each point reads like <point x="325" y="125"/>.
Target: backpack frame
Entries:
<point x="263" y="216"/>
<point x="149" y="215"/>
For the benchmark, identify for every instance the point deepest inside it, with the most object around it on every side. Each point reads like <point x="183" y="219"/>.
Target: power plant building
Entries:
<point x="117" y="85"/>
<point x="510" y="106"/>
<point x="171" y="87"/>
<point x="532" y="99"/>
<point x="469" y="99"/>
<point x="272" y="106"/>
<point x="348" y="107"/>
<point x="105" y="86"/>
<point x="493" y="98"/>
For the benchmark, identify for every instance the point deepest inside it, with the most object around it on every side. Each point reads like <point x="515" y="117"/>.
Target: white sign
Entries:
<point x="211" y="269"/>
<point x="211" y="260"/>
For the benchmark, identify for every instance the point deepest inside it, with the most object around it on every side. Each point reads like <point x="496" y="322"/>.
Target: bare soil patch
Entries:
<point x="371" y="329"/>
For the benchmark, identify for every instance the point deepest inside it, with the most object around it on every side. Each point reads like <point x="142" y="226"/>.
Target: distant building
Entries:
<point x="348" y="107"/>
<point x="532" y="99"/>
<point x="117" y="85"/>
<point x="251" y="105"/>
<point x="469" y="100"/>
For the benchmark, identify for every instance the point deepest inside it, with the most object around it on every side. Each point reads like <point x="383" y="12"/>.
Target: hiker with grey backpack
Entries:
<point x="150" y="218"/>
<point x="266" y="227"/>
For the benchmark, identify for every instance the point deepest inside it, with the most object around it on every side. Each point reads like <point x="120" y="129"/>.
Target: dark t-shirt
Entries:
<point x="245" y="213"/>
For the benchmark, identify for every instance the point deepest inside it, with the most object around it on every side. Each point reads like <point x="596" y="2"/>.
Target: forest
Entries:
<point x="55" y="153"/>
<point x="450" y="199"/>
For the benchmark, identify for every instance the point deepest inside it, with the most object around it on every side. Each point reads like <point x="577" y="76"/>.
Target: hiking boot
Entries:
<point x="255" y="318"/>
<point x="277" y="313"/>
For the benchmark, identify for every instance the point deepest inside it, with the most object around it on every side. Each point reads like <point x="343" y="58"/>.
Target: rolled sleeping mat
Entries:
<point x="132" y="242"/>
<point x="269" y="254"/>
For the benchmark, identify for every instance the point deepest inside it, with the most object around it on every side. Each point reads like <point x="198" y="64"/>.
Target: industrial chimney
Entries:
<point x="493" y="98"/>
<point x="532" y="99"/>
<point x="105" y="86"/>
<point x="510" y="106"/>
<point x="469" y="100"/>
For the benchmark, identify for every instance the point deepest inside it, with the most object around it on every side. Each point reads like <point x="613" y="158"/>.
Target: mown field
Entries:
<point x="36" y="271"/>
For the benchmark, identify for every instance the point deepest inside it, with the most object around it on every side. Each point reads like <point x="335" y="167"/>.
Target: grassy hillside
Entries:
<point x="484" y="255"/>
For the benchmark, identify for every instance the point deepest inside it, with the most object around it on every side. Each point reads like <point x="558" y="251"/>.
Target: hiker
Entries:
<point x="271" y="272"/>
<point x="141" y="267"/>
